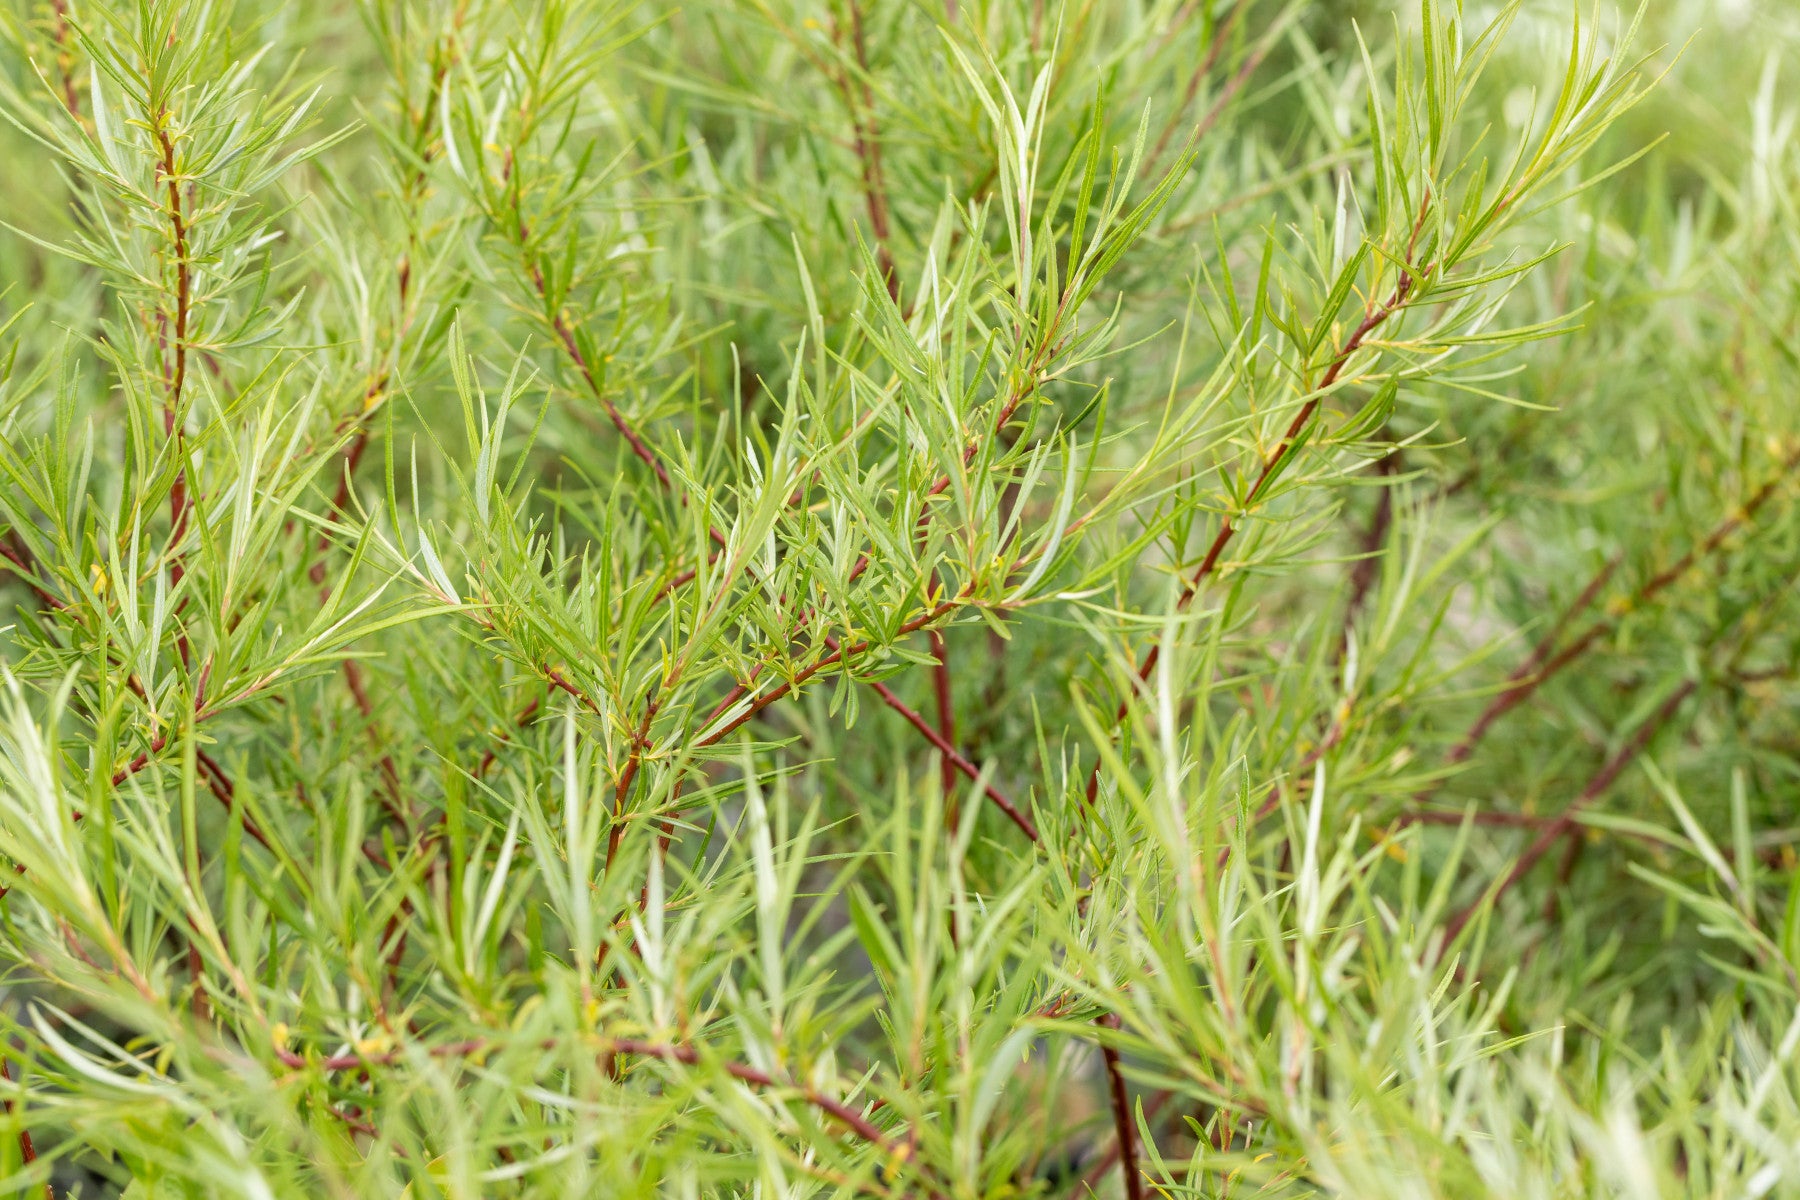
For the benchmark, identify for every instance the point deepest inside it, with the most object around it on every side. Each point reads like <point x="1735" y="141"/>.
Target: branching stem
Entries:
<point x="1565" y="824"/>
<point x="1371" y="321"/>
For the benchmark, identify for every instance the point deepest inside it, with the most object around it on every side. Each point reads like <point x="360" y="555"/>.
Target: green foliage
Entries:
<point x="833" y="597"/>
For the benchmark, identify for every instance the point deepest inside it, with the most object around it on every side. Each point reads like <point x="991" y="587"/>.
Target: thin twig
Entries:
<point x="1199" y="76"/>
<point x="640" y="740"/>
<point x="65" y="56"/>
<point x="14" y="553"/>
<point x="867" y="137"/>
<point x="1564" y="824"/>
<point x="942" y="688"/>
<point x="1542" y="665"/>
<point x="487" y="760"/>
<point x="1228" y="528"/>
<point x="175" y="374"/>
<point x="1362" y="575"/>
<point x="1091" y="1178"/>
<point x="929" y="617"/>
<point x="221" y="787"/>
<point x="677" y="1052"/>
<point x="1022" y="391"/>
<point x="954" y="758"/>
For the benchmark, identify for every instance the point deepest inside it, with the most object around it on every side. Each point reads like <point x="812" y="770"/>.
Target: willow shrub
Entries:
<point x="824" y="597"/>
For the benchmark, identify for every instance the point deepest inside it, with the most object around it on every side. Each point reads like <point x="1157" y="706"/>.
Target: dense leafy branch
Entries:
<point x="852" y="597"/>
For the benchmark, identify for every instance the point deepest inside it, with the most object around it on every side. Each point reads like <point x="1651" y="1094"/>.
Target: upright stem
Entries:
<point x="1228" y="528"/>
<point x="175" y="373"/>
<point x="1089" y="1181"/>
<point x="65" y="56"/>
<point x="1124" y="1126"/>
<point x="1362" y="575"/>
<point x="24" y="565"/>
<point x="946" y="719"/>
<point x="1199" y="76"/>
<point x="868" y="151"/>
<point x="27" y="1151"/>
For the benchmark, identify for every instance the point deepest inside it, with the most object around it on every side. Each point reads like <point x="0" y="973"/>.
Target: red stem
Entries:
<point x="678" y="1052"/>
<point x="24" y="566"/>
<point x="1228" y="529"/>
<point x="946" y="715"/>
<point x="27" y="1152"/>
<point x="954" y="758"/>
<point x="487" y="760"/>
<point x="1218" y="106"/>
<point x="1124" y="1126"/>
<point x="1565" y="824"/>
<point x="1542" y="666"/>
<point x="868" y="152"/>
<point x="175" y="377"/>
<point x="65" y="57"/>
<point x="1362" y="575"/>
<point x="1090" y="1180"/>
<point x="930" y="616"/>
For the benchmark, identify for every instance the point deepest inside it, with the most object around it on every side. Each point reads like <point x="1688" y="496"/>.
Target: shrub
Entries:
<point x="827" y="597"/>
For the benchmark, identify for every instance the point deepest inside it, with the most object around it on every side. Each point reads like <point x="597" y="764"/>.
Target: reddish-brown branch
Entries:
<point x="946" y="716"/>
<point x="1564" y="872"/>
<point x="487" y="760"/>
<point x="675" y="1052"/>
<point x="390" y="774"/>
<point x="1362" y="575"/>
<point x="211" y="773"/>
<point x="682" y="578"/>
<point x="1228" y="528"/>
<point x="1218" y="106"/>
<point x="1500" y="820"/>
<point x="1333" y="736"/>
<point x="1021" y="392"/>
<point x="640" y="740"/>
<point x="565" y="335"/>
<point x="929" y="617"/>
<point x="845" y="1115"/>
<point x="175" y="374"/>
<point x="560" y="682"/>
<point x="1536" y="670"/>
<point x="867" y="137"/>
<point x="1090" y="1179"/>
<point x="639" y="447"/>
<point x="1566" y="823"/>
<point x="957" y="761"/>
<point x="65" y="56"/>
<point x="1542" y="665"/>
<point x="196" y="971"/>
<point x="353" y="453"/>
<point x="220" y="785"/>
<point x="24" y="566"/>
<point x="27" y="1151"/>
<point x="1124" y="1124"/>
